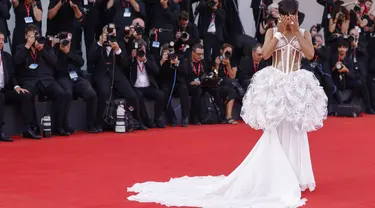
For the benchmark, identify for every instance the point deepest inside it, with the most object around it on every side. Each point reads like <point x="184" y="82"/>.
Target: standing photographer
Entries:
<point x="172" y="79"/>
<point x="187" y="35"/>
<point x="26" y="12"/>
<point x="227" y="70"/>
<point x="110" y="61"/>
<point x="143" y="70"/>
<point x="211" y="27"/>
<point x="268" y="22"/>
<point x="69" y="76"/>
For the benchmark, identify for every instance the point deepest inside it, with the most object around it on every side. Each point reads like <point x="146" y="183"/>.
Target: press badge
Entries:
<point x="28" y="20"/>
<point x="156" y="44"/>
<point x="73" y="75"/>
<point x="85" y="2"/>
<point x="33" y="66"/>
<point x="127" y="12"/>
<point x="329" y="16"/>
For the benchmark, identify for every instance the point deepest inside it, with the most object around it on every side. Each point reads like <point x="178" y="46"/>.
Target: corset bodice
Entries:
<point x="287" y="56"/>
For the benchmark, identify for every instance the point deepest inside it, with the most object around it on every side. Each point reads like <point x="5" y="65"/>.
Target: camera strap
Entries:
<point x="197" y="72"/>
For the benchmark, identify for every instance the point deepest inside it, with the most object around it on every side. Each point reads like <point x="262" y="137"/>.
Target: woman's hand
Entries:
<point x="294" y="24"/>
<point x="281" y="25"/>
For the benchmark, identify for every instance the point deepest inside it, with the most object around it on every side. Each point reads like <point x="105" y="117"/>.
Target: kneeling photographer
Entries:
<point x="225" y="69"/>
<point x="172" y="80"/>
<point x="344" y="77"/>
<point x="200" y="79"/>
<point x="109" y="76"/>
<point x="69" y="76"/>
<point x="143" y="70"/>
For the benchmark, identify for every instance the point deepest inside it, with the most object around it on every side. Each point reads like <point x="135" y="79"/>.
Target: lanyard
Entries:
<point x="33" y="56"/>
<point x="213" y="17"/>
<point x="27" y="6"/>
<point x="197" y="72"/>
<point x="140" y="68"/>
<point x="256" y="65"/>
<point x="316" y="58"/>
<point x="156" y="34"/>
<point x="125" y="4"/>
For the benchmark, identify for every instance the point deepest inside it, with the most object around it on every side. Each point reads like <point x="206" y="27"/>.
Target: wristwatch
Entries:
<point x="278" y="35"/>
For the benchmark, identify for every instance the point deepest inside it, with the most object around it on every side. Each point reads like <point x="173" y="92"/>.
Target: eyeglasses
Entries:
<point x="199" y="54"/>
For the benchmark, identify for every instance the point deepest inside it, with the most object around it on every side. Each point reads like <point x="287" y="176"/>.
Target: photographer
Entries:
<point x="143" y="70"/>
<point x="64" y="15"/>
<point x="340" y="21"/>
<point x="269" y="21"/>
<point x="161" y="22"/>
<point x="187" y="34"/>
<point x="11" y="92"/>
<point x="35" y="65"/>
<point x="344" y="77"/>
<point x="227" y="70"/>
<point x="69" y="76"/>
<point x="110" y="69"/>
<point x="134" y="34"/>
<point x="26" y="12"/>
<point x="124" y="12"/>
<point x="172" y="77"/>
<point x="197" y="70"/>
<point x="211" y="27"/>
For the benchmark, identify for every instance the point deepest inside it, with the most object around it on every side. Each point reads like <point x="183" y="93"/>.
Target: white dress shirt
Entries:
<point x="2" y="78"/>
<point x="142" y="78"/>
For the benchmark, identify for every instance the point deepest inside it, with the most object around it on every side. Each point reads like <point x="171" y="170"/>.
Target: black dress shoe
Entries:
<point x="370" y="111"/>
<point x="159" y="123"/>
<point x="61" y="132"/>
<point x="100" y="129"/>
<point x="92" y="130"/>
<point x="31" y="134"/>
<point x="4" y="138"/>
<point x="185" y="122"/>
<point x="142" y="127"/>
<point x="70" y="130"/>
<point x="150" y="124"/>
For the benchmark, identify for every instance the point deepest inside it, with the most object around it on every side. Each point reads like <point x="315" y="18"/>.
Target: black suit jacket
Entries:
<point x="246" y="69"/>
<point x="205" y="20"/>
<point x="5" y="6"/>
<point x="103" y="63"/>
<point x="46" y="60"/>
<point x="68" y="62"/>
<point x="8" y="67"/>
<point x="151" y="68"/>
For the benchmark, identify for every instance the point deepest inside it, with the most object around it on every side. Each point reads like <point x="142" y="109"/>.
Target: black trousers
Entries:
<point x="212" y="47"/>
<point x="54" y="92"/>
<point x="83" y="89"/>
<point x="150" y="93"/>
<point x="21" y="100"/>
<point x="183" y="92"/>
<point x="227" y="92"/>
<point x="122" y="89"/>
<point x="196" y="93"/>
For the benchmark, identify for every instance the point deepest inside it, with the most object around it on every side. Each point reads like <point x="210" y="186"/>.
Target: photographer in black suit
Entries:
<point x="110" y="67"/>
<point x="187" y="35"/>
<point x="197" y="70"/>
<point x="70" y="77"/>
<point x="10" y="91"/>
<point x="143" y="70"/>
<point x="35" y="65"/>
<point x="172" y="77"/>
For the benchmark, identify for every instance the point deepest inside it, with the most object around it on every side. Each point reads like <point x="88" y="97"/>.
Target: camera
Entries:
<point x="339" y="66"/>
<point x="139" y="29"/>
<point x="211" y="4"/>
<point x="140" y="52"/>
<point x="341" y="16"/>
<point x="171" y="53"/>
<point x="63" y="38"/>
<point x="226" y="55"/>
<point x="111" y="38"/>
<point x="40" y="39"/>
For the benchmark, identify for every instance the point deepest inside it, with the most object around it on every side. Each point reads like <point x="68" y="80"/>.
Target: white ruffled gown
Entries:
<point x="286" y="103"/>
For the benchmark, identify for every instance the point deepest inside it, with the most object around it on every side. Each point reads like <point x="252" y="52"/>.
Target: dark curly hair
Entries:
<point x="287" y="7"/>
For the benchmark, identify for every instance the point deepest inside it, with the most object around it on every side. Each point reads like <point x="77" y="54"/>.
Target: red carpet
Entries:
<point x="93" y="171"/>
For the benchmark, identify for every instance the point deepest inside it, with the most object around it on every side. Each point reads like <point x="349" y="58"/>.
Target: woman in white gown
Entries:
<point x="285" y="102"/>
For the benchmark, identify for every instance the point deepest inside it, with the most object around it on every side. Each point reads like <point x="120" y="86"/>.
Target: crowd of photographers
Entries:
<point x="136" y="50"/>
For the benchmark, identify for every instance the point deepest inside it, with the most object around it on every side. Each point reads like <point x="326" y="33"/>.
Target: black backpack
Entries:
<point x="210" y="112"/>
